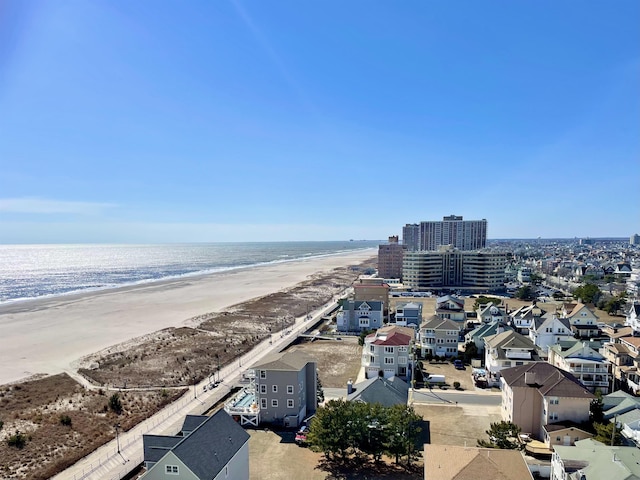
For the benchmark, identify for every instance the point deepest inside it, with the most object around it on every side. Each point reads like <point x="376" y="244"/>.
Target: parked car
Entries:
<point x="301" y="436"/>
<point x="458" y="364"/>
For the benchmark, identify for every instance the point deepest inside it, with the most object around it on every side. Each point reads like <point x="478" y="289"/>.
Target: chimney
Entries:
<point x="349" y="387"/>
<point x="530" y="378"/>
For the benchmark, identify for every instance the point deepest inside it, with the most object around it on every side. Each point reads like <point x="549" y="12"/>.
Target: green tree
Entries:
<point x="504" y="435"/>
<point x="363" y="335"/>
<point x="319" y="390"/>
<point x="115" y="404"/>
<point x="606" y="431"/>
<point x="525" y="293"/>
<point x="329" y="433"/>
<point x="596" y="409"/>
<point x="470" y="351"/>
<point x="588" y="293"/>
<point x="615" y="304"/>
<point x="482" y="300"/>
<point x="402" y="432"/>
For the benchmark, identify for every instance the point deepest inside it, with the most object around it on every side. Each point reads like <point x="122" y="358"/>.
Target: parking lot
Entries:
<point x="450" y="373"/>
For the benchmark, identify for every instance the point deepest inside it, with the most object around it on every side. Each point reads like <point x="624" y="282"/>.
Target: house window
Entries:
<point x="226" y="471"/>
<point x="171" y="469"/>
<point x="263" y="403"/>
<point x="557" y="439"/>
<point x="506" y="364"/>
<point x="263" y="389"/>
<point x="553" y="416"/>
<point x="388" y="349"/>
<point x="402" y="349"/>
<point x="402" y="360"/>
<point x="388" y="361"/>
<point x="554" y="401"/>
<point x="274" y="403"/>
<point x="263" y="374"/>
<point x="290" y="389"/>
<point x="274" y="388"/>
<point x="290" y="403"/>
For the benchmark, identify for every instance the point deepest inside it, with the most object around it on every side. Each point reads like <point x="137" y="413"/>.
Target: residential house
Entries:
<point x="356" y="316"/>
<point x="549" y="330"/>
<point x="624" y="409"/>
<point x="385" y="391"/>
<point x="522" y="318"/>
<point x="589" y="459"/>
<point x="538" y="394"/>
<point x="387" y="352"/>
<point x="489" y="313"/>
<point x="584" y="322"/>
<point x="620" y="359"/>
<point x="483" y="331"/>
<point x="217" y="448"/>
<point x="564" y="433"/>
<point x="623" y="270"/>
<point x="371" y="289"/>
<point x="450" y="307"/>
<point x="439" y="336"/>
<point x="633" y="317"/>
<point x="508" y="349"/>
<point x="449" y="462"/>
<point x="286" y="388"/>
<point x="408" y="314"/>
<point x="630" y="375"/>
<point x="584" y="361"/>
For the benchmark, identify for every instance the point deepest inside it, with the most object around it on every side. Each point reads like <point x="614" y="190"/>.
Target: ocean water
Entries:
<point x="34" y="271"/>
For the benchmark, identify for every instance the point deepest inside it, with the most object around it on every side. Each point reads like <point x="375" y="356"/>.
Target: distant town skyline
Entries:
<point x="148" y="122"/>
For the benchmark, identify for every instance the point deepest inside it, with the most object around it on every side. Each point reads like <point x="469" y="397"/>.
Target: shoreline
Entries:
<point x="47" y="336"/>
<point x="167" y="279"/>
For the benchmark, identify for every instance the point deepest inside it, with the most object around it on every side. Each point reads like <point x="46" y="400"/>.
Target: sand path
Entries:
<point x="49" y="335"/>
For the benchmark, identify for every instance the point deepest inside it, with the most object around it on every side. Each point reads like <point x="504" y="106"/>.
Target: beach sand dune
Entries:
<point x="49" y="335"/>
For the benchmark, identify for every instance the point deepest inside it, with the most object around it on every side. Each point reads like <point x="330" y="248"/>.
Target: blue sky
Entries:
<point x="164" y="121"/>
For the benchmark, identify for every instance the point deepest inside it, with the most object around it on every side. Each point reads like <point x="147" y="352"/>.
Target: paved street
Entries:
<point x="437" y="396"/>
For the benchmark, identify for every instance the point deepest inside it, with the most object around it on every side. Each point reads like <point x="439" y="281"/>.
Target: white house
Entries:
<point x="508" y="349"/>
<point x="583" y="362"/>
<point x="549" y="330"/>
<point x="388" y="352"/>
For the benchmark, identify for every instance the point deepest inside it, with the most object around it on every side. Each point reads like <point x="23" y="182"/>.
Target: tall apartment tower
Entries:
<point x="411" y="236"/>
<point x="390" y="257"/>
<point x="453" y="230"/>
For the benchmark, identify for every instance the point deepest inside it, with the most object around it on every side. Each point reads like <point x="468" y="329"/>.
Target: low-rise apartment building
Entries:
<point x="539" y="394"/>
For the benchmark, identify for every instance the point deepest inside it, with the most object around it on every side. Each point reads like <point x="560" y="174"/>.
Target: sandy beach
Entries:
<point x="49" y="335"/>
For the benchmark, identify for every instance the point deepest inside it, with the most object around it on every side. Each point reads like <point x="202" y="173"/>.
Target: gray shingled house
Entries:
<point x="286" y="386"/>
<point x="210" y="448"/>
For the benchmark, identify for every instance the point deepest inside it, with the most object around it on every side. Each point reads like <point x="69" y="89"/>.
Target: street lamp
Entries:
<point x="239" y="358"/>
<point x="117" y="436"/>
<point x="195" y="387"/>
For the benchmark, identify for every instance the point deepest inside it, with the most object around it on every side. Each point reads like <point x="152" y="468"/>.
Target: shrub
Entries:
<point x="456" y="385"/>
<point x="65" y="420"/>
<point x="115" y="404"/>
<point x="18" y="440"/>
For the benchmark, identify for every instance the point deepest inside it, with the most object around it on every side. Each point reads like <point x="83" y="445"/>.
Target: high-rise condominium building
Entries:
<point x="450" y="268"/>
<point x="452" y="230"/>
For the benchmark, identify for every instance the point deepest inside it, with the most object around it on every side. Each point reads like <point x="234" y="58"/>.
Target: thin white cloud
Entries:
<point x="49" y="206"/>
